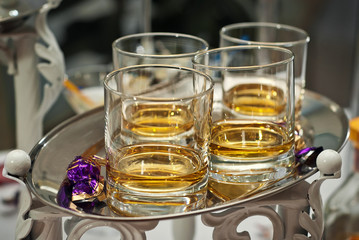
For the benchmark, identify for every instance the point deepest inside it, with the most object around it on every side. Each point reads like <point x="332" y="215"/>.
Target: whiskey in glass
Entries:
<point x="157" y="137"/>
<point x="252" y="134"/>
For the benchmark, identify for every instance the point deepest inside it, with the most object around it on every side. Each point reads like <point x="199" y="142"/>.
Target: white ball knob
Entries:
<point x="17" y="163"/>
<point x="329" y="162"/>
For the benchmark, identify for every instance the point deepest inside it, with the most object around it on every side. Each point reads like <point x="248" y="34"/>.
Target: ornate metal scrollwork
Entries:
<point x="300" y="216"/>
<point x="131" y="230"/>
<point x="225" y="223"/>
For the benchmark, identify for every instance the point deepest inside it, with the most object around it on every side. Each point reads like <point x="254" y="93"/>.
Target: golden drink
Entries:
<point x="143" y="177"/>
<point x="156" y="139"/>
<point x="225" y="191"/>
<point x="249" y="151"/>
<point x="250" y="140"/>
<point x="157" y="122"/>
<point x="255" y="99"/>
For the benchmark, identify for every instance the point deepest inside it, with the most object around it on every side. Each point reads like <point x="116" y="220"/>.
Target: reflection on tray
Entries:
<point x="83" y="135"/>
<point x="83" y="188"/>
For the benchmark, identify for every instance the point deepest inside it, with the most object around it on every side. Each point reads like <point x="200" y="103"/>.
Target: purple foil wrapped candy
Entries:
<point x="85" y="189"/>
<point x="84" y="173"/>
<point x="64" y="199"/>
<point x="83" y="186"/>
<point x="308" y="156"/>
<point x="82" y="169"/>
<point x="64" y="194"/>
<point x="304" y="151"/>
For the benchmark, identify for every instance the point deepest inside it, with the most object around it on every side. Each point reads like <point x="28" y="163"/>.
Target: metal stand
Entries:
<point x="22" y="54"/>
<point x="294" y="213"/>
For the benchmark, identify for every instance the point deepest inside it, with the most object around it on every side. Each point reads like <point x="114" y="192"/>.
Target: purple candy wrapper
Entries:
<point x="83" y="186"/>
<point x="64" y="199"/>
<point x="64" y="194"/>
<point x="83" y="169"/>
<point x="308" y="156"/>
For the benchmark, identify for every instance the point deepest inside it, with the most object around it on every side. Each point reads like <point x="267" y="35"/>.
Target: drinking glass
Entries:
<point x="157" y="130"/>
<point x="156" y="48"/>
<point x="252" y="135"/>
<point x="273" y="34"/>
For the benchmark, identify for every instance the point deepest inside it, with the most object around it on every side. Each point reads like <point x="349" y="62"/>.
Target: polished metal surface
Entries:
<point x="325" y="124"/>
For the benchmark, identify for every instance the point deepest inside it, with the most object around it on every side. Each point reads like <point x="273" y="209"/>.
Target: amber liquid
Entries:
<point x="238" y="139"/>
<point x="155" y="175"/>
<point x="255" y="99"/>
<point x="225" y="191"/>
<point x="157" y="122"/>
<point x="249" y="151"/>
<point x="156" y="168"/>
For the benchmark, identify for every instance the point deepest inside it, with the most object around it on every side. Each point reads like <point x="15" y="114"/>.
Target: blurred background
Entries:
<point x="85" y="30"/>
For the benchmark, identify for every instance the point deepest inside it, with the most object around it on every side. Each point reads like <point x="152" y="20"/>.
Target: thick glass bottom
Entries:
<point x="152" y="204"/>
<point x="237" y="170"/>
<point x="149" y="202"/>
<point x="237" y="178"/>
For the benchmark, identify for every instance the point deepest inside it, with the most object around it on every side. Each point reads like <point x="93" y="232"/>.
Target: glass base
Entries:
<point x="126" y="204"/>
<point x="251" y="170"/>
<point x="239" y="178"/>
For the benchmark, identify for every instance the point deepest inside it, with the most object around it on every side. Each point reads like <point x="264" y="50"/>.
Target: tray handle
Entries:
<point x="17" y="164"/>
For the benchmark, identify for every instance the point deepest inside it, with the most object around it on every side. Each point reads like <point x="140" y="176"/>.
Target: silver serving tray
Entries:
<point x="326" y="122"/>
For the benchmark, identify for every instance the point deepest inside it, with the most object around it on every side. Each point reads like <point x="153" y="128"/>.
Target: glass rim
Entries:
<point x="160" y="34"/>
<point x="304" y="40"/>
<point x="110" y="75"/>
<point x="243" y="47"/>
